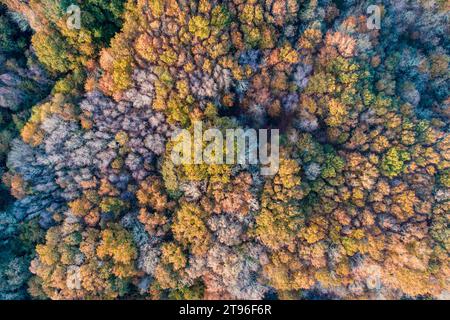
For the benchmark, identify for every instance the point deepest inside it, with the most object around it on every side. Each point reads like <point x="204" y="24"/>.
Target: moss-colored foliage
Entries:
<point x="195" y="292"/>
<point x="393" y="162"/>
<point x="64" y="49"/>
<point x="189" y="229"/>
<point x="118" y="244"/>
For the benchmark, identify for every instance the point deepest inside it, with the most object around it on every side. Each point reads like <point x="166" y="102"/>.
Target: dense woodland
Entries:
<point x="92" y="207"/>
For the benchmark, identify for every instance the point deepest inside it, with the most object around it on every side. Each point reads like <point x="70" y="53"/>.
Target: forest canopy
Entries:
<point x="93" y="207"/>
